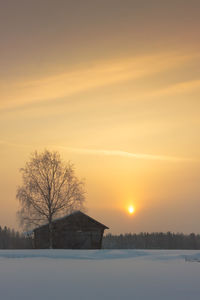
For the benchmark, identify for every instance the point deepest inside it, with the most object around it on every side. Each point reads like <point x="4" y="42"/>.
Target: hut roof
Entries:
<point x="75" y="213"/>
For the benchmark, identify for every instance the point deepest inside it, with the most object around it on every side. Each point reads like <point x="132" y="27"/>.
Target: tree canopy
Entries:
<point x="49" y="189"/>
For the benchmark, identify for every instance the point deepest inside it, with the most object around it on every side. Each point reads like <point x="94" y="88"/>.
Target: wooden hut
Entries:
<point x="74" y="231"/>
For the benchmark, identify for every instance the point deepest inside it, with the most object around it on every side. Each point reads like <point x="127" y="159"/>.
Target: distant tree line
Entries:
<point x="11" y="239"/>
<point x="155" y="240"/>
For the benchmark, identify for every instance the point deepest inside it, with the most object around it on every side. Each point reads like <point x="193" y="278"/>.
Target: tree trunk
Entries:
<point x="50" y="234"/>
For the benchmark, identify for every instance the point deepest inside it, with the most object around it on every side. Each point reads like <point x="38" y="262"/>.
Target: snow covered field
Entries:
<point x="99" y="274"/>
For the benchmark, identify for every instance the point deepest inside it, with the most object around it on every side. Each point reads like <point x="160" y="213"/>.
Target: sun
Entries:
<point x="131" y="209"/>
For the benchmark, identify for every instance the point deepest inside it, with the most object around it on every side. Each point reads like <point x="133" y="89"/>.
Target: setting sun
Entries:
<point x="131" y="209"/>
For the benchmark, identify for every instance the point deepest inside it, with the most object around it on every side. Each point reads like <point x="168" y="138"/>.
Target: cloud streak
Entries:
<point x="22" y="92"/>
<point x="179" y="88"/>
<point x="125" y="154"/>
<point x="103" y="152"/>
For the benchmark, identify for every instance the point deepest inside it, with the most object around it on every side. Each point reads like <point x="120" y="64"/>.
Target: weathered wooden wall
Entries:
<point x="74" y="232"/>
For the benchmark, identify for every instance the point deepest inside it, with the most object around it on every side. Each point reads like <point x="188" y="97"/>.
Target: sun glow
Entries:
<point x="131" y="209"/>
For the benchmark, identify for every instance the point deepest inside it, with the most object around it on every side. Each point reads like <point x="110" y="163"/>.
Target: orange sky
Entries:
<point x="114" y="87"/>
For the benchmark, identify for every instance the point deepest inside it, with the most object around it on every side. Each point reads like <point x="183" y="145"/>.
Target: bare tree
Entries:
<point x="50" y="189"/>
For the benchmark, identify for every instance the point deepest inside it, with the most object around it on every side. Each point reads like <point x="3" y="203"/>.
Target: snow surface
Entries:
<point x="99" y="274"/>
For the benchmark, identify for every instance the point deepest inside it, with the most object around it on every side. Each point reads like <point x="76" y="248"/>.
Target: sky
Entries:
<point x="114" y="87"/>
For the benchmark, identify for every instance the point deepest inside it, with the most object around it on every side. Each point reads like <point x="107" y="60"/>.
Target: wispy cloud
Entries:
<point x="103" y="152"/>
<point x="125" y="154"/>
<point x="179" y="88"/>
<point x="17" y="93"/>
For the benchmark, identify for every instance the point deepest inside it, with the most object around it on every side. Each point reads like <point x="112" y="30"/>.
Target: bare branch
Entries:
<point x="50" y="188"/>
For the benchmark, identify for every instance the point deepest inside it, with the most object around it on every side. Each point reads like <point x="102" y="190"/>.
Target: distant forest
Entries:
<point x="11" y="239"/>
<point x="155" y="240"/>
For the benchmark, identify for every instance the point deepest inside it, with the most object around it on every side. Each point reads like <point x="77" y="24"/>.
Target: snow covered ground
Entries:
<point x="99" y="274"/>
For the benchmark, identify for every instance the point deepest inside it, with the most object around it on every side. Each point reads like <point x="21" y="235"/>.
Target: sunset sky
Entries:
<point x="114" y="86"/>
